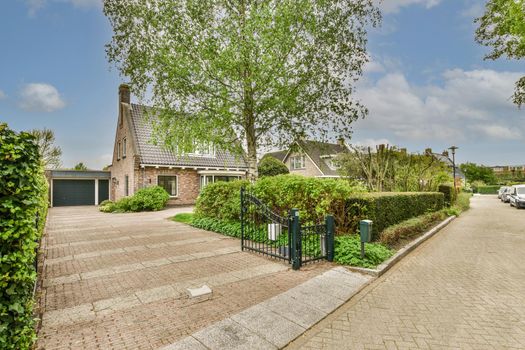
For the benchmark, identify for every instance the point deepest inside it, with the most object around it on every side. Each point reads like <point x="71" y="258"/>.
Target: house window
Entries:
<point x="118" y="150"/>
<point x="333" y="164"/>
<point x="169" y="183"/>
<point x="124" y="148"/>
<point x="298" y="162"/>
<point x="126" y="185"/>
<point x="203" y="150"/>
<point x="208" y="179"/>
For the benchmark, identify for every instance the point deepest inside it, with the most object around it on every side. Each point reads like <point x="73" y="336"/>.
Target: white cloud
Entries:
<point x="40" y="97"/>
<point x="473" y="10"/>
<point x="468" y="104"/>
<point x="35" y="5"/>
<point x="394" y="6"/>
<point x="2" y="95"/>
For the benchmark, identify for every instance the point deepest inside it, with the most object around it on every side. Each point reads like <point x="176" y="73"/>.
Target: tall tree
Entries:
<point x="243" y="74"/>
<point x="502" y="28"/>
<point x="474" y="172"/>
<point x="49" y="153"/>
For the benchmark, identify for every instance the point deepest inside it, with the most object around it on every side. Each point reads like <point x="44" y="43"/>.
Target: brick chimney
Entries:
<point x="124" y="94"/>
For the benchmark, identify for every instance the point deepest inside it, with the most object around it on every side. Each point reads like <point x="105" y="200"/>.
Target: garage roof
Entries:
<point x="79" y="174"/>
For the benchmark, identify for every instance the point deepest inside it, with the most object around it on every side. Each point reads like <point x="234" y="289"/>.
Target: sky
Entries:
<point x="426" y="86"/>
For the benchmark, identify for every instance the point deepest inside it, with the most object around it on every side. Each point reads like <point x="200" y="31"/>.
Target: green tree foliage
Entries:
<point x="23" y="208"/>
<point x="80" y="166"/>
<point x="243" y="74"/>
<point x="502" y="27"/>
<point x="49" y="153"/>
<point x="387" y="168"/>
<point x="474" y="172"/>
<point x="270" y="166"/>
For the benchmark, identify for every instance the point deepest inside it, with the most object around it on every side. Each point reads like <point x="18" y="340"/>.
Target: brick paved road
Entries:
<point x="119" y="281"/>
<point x="462" y="289"/>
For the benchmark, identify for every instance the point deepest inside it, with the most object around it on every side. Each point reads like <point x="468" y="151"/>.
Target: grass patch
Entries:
<point x="348" y="252"/>
<point x="185" y="218"/>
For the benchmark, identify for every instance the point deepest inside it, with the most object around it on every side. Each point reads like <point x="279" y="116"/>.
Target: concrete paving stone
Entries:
<point x="155" y="294"/>
<point x="227" y="334"/>
<point x="188" y="343"/>
<point x="114" y="304"/>
<point x="198" y="292"/>
<point x="62" y="280"/>
<point x="310" y="294"/>
<point x="155" y="263"/>
<point x="269" y="325"/>
<point x="294" y="310"/>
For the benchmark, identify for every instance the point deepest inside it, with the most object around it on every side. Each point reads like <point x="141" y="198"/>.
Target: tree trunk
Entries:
<point x="251" y="144"/>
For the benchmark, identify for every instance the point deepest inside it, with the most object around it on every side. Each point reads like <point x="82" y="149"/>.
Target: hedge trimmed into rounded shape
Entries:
<point x="23" y="199"/>
<point x="449" y="193"/>
<point x="270" y="166"/>
<point x="146" y="199"/>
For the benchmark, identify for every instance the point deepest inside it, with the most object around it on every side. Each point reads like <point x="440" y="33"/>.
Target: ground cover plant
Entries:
<point x="348" y="252"/>
<point x="23" y="210"/>
<point x="146" y="199"/>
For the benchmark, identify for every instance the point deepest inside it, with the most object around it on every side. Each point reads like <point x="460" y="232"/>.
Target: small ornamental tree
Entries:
<point x="243" y="74"/>
<point x="270" y="166"/>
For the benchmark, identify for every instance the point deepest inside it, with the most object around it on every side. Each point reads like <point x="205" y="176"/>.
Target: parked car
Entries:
<point x="501" y="190"/>
<point x="505" y="196"/>
<point x="517" y="196"/>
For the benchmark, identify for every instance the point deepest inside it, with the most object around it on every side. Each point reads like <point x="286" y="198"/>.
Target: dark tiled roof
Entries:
<point x="157" y="155"/>
<point x="317" y="150"/>
<point x="277" y="154"/>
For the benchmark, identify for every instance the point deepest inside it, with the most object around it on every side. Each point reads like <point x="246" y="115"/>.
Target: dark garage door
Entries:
<point x="73" y="192"/>
<point x="103" y="190"/>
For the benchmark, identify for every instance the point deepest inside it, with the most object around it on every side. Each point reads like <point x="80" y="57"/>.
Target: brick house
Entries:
<point x="138" y="163"/>
<point x="311" y="158"/>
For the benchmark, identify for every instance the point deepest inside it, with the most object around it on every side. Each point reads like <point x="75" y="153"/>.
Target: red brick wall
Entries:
<point x="188" y="182"/>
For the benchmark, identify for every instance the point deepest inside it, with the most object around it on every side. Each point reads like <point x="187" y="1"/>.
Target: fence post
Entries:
<point x="295" y="251"/>
<point x="242" y="218"/>
<point x="330" y="233"/>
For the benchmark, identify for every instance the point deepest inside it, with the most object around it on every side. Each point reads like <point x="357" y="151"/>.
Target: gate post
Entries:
<point x="330" y="233"/>
<point x="242" y="218"/>
<point x="295" y="251"/>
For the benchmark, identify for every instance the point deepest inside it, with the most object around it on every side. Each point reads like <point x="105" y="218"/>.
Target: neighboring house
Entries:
<point x="506" y="169"/>
<point x="138" y="163"/>
<point x="460" y="179"/>
<point x="311" y="158"/>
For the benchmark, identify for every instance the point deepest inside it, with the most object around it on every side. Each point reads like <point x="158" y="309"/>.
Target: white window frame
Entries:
<point x="294" y="159"/>
<point x="176" y="179"/>
<point x="124" y="147"/>
<point x="197" y="151"/>
<point x="118" y="150"/>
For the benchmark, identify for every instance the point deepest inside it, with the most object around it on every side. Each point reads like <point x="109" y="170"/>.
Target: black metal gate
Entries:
<point x="283" y="237"/>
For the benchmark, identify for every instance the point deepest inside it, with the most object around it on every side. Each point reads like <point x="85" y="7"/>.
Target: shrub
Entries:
<point x="270" y="166"/>
<point x="348" y="252"/>
<point x="227" y="228"/>
<point x="23" y="199"/>
<point x="463" y="201"/>
<point x="488" y="189"/>
<point x="411" y="227"/>
<point x="390" y="208"/>
<point x="146" y="199"/>
<point x="449" y="193"/>
<point x="220" y="200"/>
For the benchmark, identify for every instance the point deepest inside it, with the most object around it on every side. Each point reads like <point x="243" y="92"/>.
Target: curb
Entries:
<point x="385" y="266"/>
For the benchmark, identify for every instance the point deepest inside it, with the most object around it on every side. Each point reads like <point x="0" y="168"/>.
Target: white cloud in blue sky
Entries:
<point x="35" y="5"/>
<point x="394" y="6"/>
<point x="40" y="97"/>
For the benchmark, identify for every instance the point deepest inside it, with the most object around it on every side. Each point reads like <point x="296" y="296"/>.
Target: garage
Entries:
<point x="73" y="187"/>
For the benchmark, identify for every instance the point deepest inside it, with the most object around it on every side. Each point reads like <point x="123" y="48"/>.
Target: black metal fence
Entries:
<point x="283" y="237"/>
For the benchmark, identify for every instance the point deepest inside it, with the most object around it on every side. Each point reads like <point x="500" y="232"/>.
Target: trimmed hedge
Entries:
<point x="23" y="199"/>
<point x="390" y="208"/>
<point x="449" y="193"/>
<point x="411" y="227"/>
<point x="151" y="198"/>
<point x="488" y="189"/>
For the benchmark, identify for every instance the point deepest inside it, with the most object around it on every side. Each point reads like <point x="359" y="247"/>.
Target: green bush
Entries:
<point x="488" y="189"/>
<point x="23" y="199"/>
<point x="227" y="228"/>
<point x="389" y="208"/>
<point x="449" y="193"/>
<point x="220" y="200"/>
<point x="146" y="199"/>
<point x="411" y="227"/>
<point x="348" y="252"/>
<point x="270" y="166"/>
<point x="185" y="218"/>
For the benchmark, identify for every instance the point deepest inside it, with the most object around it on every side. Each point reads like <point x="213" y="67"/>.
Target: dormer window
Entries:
<point x="203" y="150"/>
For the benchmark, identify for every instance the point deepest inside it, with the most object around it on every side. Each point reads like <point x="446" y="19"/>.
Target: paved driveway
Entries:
<point x="119" y="281"/>
<point x="462" y="289"/>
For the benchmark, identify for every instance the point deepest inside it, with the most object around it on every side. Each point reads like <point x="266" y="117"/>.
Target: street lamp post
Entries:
<point x="453" y="149"/>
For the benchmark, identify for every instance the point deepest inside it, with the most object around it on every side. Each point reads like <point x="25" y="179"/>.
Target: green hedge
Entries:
<point x="488" y="189"/>
<point x="390" y="208"/>
<point x="151" y="198"/>
<point x="270" y="166"/>
<point x="23" y="199"/>
<point x="449" y="193"/>
<point x="314" y="198"/>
